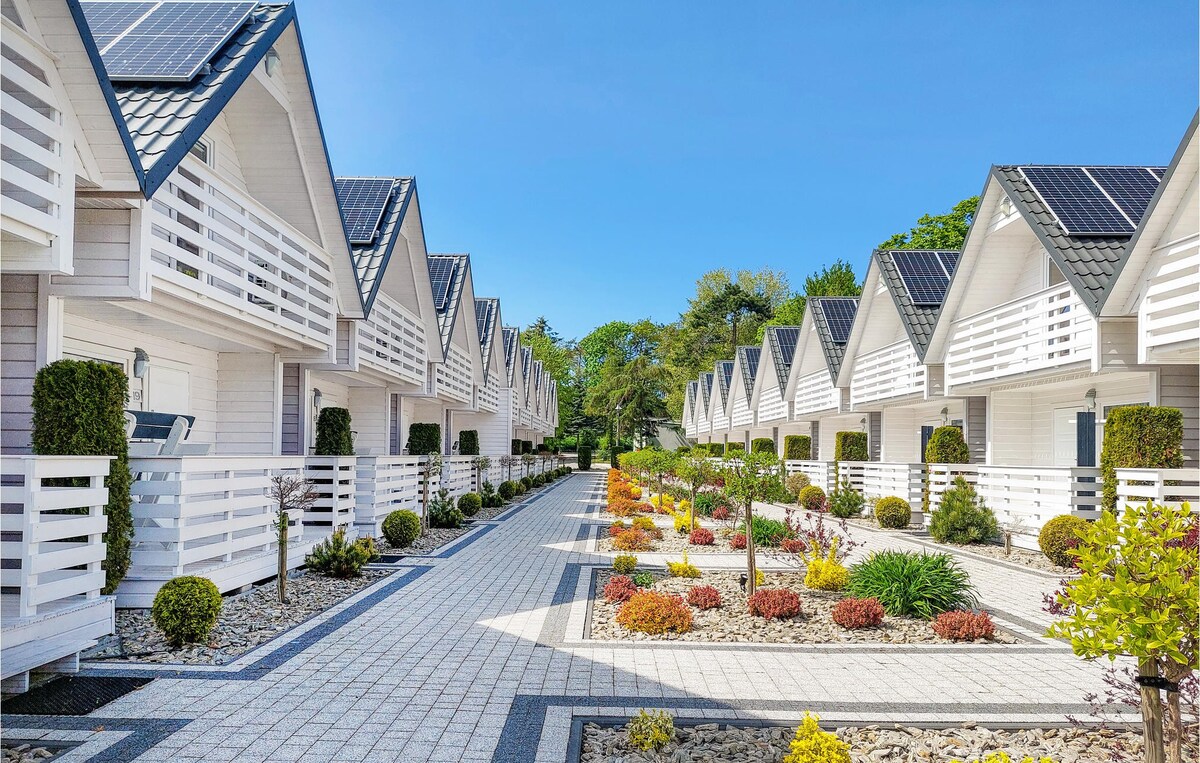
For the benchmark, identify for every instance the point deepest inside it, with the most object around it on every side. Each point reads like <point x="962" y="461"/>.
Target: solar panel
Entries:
<point x="1130" y="187"/>
<point x="172" y="42"/>
<point x="750" y="357"/>
<point x="839" y="316"/>
<point x="1075" y="200"/>
<point x="441" y="276"/>
<point x="925" y="277"/>
<point x="786" y="339"/>
<point x="949" y="262"/>
<point x="363" y="201"/>
<point x="108" y="20"/>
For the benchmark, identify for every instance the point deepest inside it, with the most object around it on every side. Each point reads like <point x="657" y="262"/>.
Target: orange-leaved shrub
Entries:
<point x="619" y="588"/>
<point x="655" y="613"/>
<point x="646" y="525"/>
<point x="632" y="540"/>
<point x="854" y="613"/>
<point x="793" y="546"/>
<point x="958" y="625"/>
<point x="720" y="513"/>
<point x="774" y="603"/>
<point x="616" y="528"/>
<point x="701" y="536"/>
<point x="704" y="597"/>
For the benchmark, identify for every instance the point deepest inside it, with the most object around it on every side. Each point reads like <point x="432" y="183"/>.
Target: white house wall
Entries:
<point x="901" y="427"/>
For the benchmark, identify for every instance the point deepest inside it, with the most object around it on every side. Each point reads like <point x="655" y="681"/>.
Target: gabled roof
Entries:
<point x="371" y="260"/>
<point x="724" y="373"/>
<point x="486" y="311"/>
<point x="919" y="320"/>
<point x="833" y="344"/>
<point x="689" y="402"/>
<point x="748" y="356"/>
<point x="512" y="341"/>
<point x="705" y="384"/>
<point x="447" y="274"/>
<point x="782" y="341"/>
<point x="1089" y="263"/>
<point x="526" y="367"/>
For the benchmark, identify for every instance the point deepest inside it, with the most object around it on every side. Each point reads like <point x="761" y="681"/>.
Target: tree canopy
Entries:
<point x="947" y="231"/>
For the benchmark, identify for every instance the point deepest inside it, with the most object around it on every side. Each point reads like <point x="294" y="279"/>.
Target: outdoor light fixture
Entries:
<point x="316" y="399"/>
<point x="141" y="362"/>
<point x="945" y="416"/>
<point x="271" y="62"/>
<point x="1090" y="399"/>
<point x="862" y="423"/>
<point x="742" y="581"/>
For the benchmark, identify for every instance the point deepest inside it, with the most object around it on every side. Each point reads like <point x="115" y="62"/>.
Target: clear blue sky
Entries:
<point x="596" y="159"/>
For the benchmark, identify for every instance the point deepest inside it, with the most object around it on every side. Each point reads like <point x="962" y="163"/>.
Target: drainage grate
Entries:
<point x="73" y="695"/>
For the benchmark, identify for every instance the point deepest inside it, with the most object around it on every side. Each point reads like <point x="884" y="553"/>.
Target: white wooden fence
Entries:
<point x="1161" y="486"/>
<point x="819" y="473"/>
<point x="882" y="479"/>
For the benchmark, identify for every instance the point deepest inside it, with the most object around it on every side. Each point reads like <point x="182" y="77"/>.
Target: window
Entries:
<point x="202" y="150"/>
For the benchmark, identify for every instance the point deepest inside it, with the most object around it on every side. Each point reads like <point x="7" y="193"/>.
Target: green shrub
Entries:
<point x="470" y="504"/>
<point x="489" y="497"/>
<point x="851" y="446"/>
<point x="962" y="516"/>
<point x="767" y="531"/>
<point x="797" y="447"/>
<point x="762" y="445"/>
<point x="542" y="447"/>
<point x="909" y="584"/>
<point x="893" y="512"/>
<point x="443" y="512"/>
<point x="735" y="447"/>
<point x="526" y="484"/>
<point x="401" y="528"/>
<point x="185" y="609"/>
<point x="539" y="480"/>
<point x="526" y="446"/>
<point x="947" y="446"/>
<point x="716" y="448"/>
<point x="651" y="731"/>
<point x="585" y="458"/>
<point x="1139" y="437"/>
<point x="424" y="439"/>
<point x="1059" y="536"/>
<point x="508" y="489"/>
<point x="812" y="498"/>
<point x="78" y="410"/>
<point x="367" y="544"/>
<point x="468" y="442"/>
<point x="516" y="447"/>
<point x="334" y="437"/>
<point x="336" y="557"/>
<point x="704" y="504"/>
<point x="812" y="745"/>
<point x="623" y="564"/>
<point x="642" y="579"/>
<point x="846" y="502"/>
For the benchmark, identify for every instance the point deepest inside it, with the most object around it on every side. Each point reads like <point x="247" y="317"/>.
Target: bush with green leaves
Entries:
<point x="442" y="511"/>
<point x="812" y="498"/>
<point x="963" y="517"/>
<point x="650" y="731"/>
<point x="909" y="584"/>
<point x="468" y="442"/>
<point x="336" y="557"/>
<point x="851" y="446"/>
<point x="401" y="528"/>
<point x="526" y="484"/>
<point x="797" y="447"/>
<point x="624" y="564"/>
<point x="424" y="439"/>
<point x="846" y="502"/>
<point x="539" y="480"/>
<point x="893" y="512"/>
<point x="1139" y="437"/>
<point x="334" y="436"/>
<point x="508" y="489"/>
<point x="79" y="410"/>
<point x="185" y="609"/>
<point x="526" y="446"/>
<point x="716" y="449"/>
<point x="584" y="456"/>
<point x="947" y="446"/>
<point x="470" y="504"/>
<point x="735" y="448"/>
<point x="767" y="531"/>
<point x="1059" y="536"/>
<point x="516" y="447"/>
<point x="762" y="445"/>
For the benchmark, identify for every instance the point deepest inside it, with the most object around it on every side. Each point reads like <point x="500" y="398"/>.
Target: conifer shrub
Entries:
<point x="186" y="608"/>
<point x="468" y="442"/>
<point x="797" y="447"/>
<point x="470" y="504"/>
<point x="424" y="439"/>
<point x="762" y="445"/>
<point x="701" y="536"/>
<point x="619" y="589"/>
<point x="851" y="613"/>
<point x="334" y="436"/>
<point x="515" y="448"/>
<point x="584" y="456"/>
<point x="1059" y="536"/>
<point x="773" y="603"/>
<point x="401" y="528"/>
<point x="963" y="517"/>
<point x="947" y="446"/>
<point x="846" y="502"/>
<point x="964" y="626"/>
<point x="443" y="512"/>
<point x="1139" y="437"/>
<point x="624" y="564"/>
<point x="851" y="446"/>
<point x="893" y="512"/>
<point x="704" y="597"/>
<point x="812" y="498"/>
<point x="526" y="446"/>
<point x="336" y="557"/>
<point x="655" y="613"/>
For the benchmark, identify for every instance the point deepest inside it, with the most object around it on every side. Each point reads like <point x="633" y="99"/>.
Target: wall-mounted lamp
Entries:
<point x="945" y="416"/>
<point x="862" y="424"/>
<point x="316" y="398"/>
<point x="271" y="62"/>
<point x="141" y="362"/>
<point x="1090" y="399"/>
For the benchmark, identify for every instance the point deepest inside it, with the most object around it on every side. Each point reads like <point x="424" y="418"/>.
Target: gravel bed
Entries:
<point x="868" y="744"/>
<point x="437" y="537"/>
<point x="246" y="620"/>
<point x="672" y="542"/>
<point x="732" y="623"/>
<point x="26" y="753"/>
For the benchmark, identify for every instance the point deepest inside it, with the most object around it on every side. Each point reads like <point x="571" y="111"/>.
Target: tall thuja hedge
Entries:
<point x="1139" y="437"/>
<point x="739" y="447"/>
<point x="797" y="447"/>
<point x="762" y="445"/>
<point x="468" y="442"/>
<point x="850" y="446"/>
<point x="526" y="446"/>
<point x="716" y="449"/>
<point x="424" y="439"/>
<point x="78" y="410"/>
<point x="585" y="458"/>
<point x="947" y="446"/>
<point x="333" y="433"/>
<point x="516" y="447"/>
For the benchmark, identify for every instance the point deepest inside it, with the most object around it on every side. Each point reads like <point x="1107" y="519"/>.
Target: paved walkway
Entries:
<point x="479" y="654"/>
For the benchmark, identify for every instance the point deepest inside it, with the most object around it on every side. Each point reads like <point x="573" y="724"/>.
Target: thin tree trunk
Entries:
<point x="751" y="570"/>
<point x="1152" y="720"/>
<point x="281" y="573"/>
<point x="1174" y="728"/>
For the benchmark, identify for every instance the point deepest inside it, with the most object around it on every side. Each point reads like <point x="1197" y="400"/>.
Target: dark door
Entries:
<point x="926" y="433"/>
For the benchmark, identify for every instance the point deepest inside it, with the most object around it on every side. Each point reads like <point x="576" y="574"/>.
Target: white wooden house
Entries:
<point x="704" y="393"/>
<point x="741" y="415"/>
<point x="493" y="420"/>
<point x="772" y="408"/>
<point x="689" y="409"/>
<point x="720" y="401"/>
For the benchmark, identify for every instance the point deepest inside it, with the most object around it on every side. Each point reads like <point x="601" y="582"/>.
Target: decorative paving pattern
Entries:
<point x="468" y="655"/>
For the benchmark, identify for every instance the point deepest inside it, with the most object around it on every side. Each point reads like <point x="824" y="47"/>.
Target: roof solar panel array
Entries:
<point x="926" y="274"/>
<point x="838" y="313"/>
<point x="108" y="20"/>
<point x="363" y="202"/>
<point x="441" y="277"/>
<point x="1095" y="201"/>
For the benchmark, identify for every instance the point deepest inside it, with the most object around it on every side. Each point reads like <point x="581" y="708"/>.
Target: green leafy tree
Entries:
<point x="751" y="477"/>
<point x="696" y="471"/>
<point x="947" y="231"/>
<point x="636" y="386"/>
<point x="733" y="304"/>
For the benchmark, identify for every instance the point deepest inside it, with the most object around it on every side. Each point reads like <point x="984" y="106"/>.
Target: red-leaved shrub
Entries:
<point x="704" y="597"/>
<point x="721" y="513"/>
<point x="858" y="613"/>
<point x="653" y="612"/>
<point x="957" y="625"/>
<point x="701" y="536"/>
<point x="619" y="589"/>
<point x="737" y="541"/>
<point x="632" y="540"/>
<point x="616" y="528"/>
<point x="793" y="546"/>
<point x="774" y="603"/>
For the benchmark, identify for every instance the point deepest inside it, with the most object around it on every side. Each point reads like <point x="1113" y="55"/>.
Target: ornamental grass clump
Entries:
<point x="773" y="603"/>
<point x="655" y="613"/>
<point x="767" y="531"/>
<point x="650" y="731"/>
<point x="186" y="608"/>
<point x="909" y="584"/>
<point x="401" y="528"/>
<point x="812" y="745"/>
<point x="701" y="536"/>
<point x="964" y="626"/>
<point x="963" y="518"/>
<point x="619" y="589"/>
<point x="851" y="613"/>
<point x="683" y="569"/>
<point x="704" y="597"/>
<point x="893" y="512"/>
<point x="624" y="563"/>
<point x="1060" y="536"/>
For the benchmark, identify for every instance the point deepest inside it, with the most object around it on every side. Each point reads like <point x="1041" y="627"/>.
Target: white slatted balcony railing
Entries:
<point x="1046" y="331"/>
<point x="819" y="473"/>
<point x="771" y="406"/>
<point x="815" y="392"/>
<point x="392" y="341"/>
<point x="1169" y="487"/>
<point x="743" y="416"/>
<point x="888" y="372"/>
<point x="220" y="245"/>
<point x="489" y="396"/>
<point x="1169" y="315"/>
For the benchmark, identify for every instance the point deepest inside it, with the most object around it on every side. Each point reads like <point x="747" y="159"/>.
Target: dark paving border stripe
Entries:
<point x="143" y="733"/>
<point x="522" y="732"/>
<point x="458" y="545"/>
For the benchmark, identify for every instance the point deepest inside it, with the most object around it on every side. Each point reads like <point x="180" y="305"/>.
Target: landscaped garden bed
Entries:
<point x="671" y="541"/>
<point x="732" y="622"/>
<point x="1020" y="556"/>
<point x="868" y="743"/>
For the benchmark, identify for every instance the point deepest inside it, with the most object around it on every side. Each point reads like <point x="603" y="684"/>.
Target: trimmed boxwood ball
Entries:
<point x="812" y="498"/>
<point x="851" y="446"/>
<point x="762" y="445"/>
<point x="186" y="608"/>
<point x="947" y="446"/>
<point x="893" y="512"/>
<point x="516" y="447"/>
<point x="1139" y="437"/>
<point x="334" y="437"/>
<point x="507" y="489"/>
<point x="526" y="484"/>
<point x="468" y="442"/>
<point x="424" y="439"/>
<point x="539" y="480"/>
<point x="797" y="447"/>
<point x="470" y="504"/>
<point x="401" y="528"/>
<point x="1059" y="536"/>
<point x="526" y="446"/>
